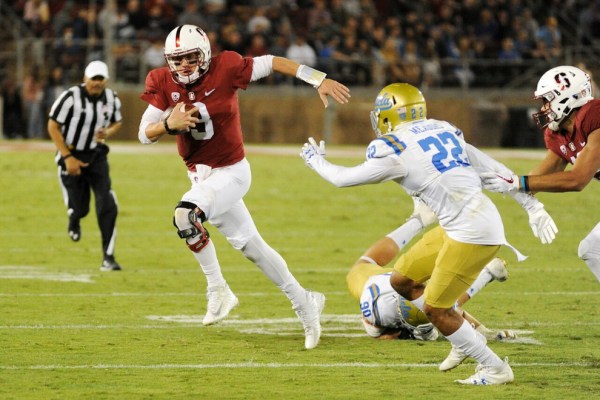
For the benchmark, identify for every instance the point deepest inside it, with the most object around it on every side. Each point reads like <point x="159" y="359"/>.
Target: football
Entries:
<point x="186" y="107"/>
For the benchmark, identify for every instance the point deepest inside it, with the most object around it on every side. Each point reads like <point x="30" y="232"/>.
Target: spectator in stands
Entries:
<point x="432" y="68"/>
<point x="191" y="15"/>
<point x="522" y="41"/>
<point x="391" y="55"/>
<point x="137" y="17"/>
<point x="462" y="53"/>
<point x="258" y="23"/>
<point x="36" y="15"/>
<point x="541" y="52"/>
<point x="124" y="29"/>
<point x="33" y="92"/>
<point x="55" y="85"/>
<point x="508" y="52"/>
<point x="318" y="15"/>
<point x="550" y="34"/>
<point x="338" y="13"/>
<point x="411" y="64"/>
<point x="530" y="24"/>
<point x="63" y="18"/>
<point x="487" y="29"/>
<point x="154" y="56"/>
<point x="443" y="21"/>
<point x="160" y="20"/>
<point x="12" y="110"/>
<point x="301" y="52"/>
<point x="84" y="23"/>
<point x="351" y="61"/>
<point x="70" y="54"/>
<point x="258" y="46"/>
<point x="326" y="54"/>
<point x="231" y="39"/>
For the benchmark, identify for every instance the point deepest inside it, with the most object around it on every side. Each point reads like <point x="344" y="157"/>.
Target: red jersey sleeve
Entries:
<point x="238" y="68"/>
<point x="589" y="118"/>
<point x="154" y="92"/>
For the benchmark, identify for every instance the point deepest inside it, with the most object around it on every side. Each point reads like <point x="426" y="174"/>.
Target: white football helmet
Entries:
<point x="562" y="89"/>
<point x="187" y="43"/>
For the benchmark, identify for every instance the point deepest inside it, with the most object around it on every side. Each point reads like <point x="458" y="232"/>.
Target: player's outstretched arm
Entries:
<point x="498" y="177"/>
<point x="325" y="87"/>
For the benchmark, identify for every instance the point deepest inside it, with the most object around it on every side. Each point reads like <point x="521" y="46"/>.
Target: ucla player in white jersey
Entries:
<point x="431" y="160"/>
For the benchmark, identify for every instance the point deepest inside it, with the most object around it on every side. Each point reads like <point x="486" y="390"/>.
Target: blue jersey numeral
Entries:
<point x="449" y="151"/>
<point x="366" y="309"/>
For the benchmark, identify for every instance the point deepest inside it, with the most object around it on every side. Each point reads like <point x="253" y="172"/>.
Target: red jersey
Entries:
<point x="217" y="140"/>
<point x="568" y="146"/>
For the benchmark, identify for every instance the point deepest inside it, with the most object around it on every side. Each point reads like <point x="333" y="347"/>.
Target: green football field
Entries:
<point x="68" y="331"/>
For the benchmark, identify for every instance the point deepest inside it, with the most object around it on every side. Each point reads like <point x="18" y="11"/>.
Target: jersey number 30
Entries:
<point x="449" y="151"/>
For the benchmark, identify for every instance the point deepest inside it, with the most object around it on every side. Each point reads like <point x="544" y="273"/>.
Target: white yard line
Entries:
<point x="255" y="365"/>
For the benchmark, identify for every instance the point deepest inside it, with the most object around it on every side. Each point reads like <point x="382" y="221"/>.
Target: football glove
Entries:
<point x="422" y="212"/>
<point x="494" y="182"/>
<point x="425" y="332"/>
<point x="312" y="151"/>
<point x="542" y="224"/>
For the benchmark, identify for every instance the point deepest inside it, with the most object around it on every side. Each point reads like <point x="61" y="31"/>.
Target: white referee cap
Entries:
<point x="96" y="68"/>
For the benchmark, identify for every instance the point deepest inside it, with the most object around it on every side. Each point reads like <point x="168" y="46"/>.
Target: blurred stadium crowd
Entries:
<point x="428" y="43"/>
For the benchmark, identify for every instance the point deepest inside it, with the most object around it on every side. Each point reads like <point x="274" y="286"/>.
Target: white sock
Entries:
<point x="207" y="258"/>
<point x="482" y="280"/>
<point x="406" y="232"/>
<point x="419" y="302"/>
<point x="474" y="345"/>
<point x="274" y="267"/>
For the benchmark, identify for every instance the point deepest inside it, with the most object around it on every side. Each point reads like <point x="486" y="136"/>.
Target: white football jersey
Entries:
<point x="429" y="158"/>
<point x="379" y="305"/>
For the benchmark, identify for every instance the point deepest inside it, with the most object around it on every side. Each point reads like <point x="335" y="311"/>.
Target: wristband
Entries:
<point x="67" y="156"/>
<point x="169" y="130"/>
<point x="310" y="75"/>
<point x="524" y="183"/>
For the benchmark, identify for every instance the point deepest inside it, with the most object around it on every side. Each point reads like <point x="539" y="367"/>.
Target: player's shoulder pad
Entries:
<point x="384" y="146"/>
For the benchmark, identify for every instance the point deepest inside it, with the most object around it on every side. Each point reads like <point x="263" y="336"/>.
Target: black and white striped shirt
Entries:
<point x="81" y="115"/>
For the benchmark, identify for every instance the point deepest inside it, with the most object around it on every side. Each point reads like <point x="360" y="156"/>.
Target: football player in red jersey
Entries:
<point x="570" y="118"/>
<point x="211" y="146"/>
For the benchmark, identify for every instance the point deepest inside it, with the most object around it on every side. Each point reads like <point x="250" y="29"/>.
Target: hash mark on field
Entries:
<point x="254" y="365"/>
<point x="30" y="272"/>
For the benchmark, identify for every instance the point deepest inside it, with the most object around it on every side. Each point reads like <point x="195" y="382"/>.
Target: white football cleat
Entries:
<point x="221" y="301"/>
<point x="486" y="375"/>
<point x="453" y="360"/>
<point x="497" y="268"/>
<point x="309" y="313"/>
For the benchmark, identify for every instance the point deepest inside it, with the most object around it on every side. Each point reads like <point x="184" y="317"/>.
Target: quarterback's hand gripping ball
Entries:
<point x="180" y="119"/>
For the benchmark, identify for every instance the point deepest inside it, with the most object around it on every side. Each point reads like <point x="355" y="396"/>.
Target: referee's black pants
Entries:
<point x="95" y="177"/>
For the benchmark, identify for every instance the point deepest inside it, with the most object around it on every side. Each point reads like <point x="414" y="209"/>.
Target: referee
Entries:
<point x="80" y="121"/>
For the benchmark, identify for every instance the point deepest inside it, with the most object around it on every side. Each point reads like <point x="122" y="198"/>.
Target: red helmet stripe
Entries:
<point x="178" y="36"/>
